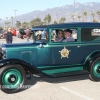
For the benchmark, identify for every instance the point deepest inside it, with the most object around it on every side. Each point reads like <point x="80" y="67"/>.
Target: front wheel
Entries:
<point x="12" y="78"/>
<point x="95" y="70"/>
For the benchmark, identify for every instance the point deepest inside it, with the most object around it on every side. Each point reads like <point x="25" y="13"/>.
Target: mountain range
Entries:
<point x="63" y="11"/>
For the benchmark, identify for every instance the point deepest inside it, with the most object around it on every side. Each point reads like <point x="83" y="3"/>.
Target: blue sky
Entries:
<point x="7" y="7"/>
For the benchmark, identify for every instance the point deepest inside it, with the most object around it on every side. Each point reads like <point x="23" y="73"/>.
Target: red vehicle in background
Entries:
<point x="14" y="32"/>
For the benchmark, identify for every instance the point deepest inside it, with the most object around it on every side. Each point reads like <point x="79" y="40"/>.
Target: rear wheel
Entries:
<point x="95" y="70"/>
<point x="12" y="78"/>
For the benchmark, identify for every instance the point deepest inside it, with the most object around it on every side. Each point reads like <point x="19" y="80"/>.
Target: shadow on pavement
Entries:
<point x="69" y="78"/>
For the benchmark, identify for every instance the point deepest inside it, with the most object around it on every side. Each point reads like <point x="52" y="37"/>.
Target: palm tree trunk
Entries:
<point x="73" y="19"/>
<point x="86" y="18"/>
<point x="12" y="22"/>
<point x="99" y="18"/>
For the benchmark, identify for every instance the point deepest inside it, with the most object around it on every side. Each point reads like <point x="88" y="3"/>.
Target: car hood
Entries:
<point x="21" y="44"/>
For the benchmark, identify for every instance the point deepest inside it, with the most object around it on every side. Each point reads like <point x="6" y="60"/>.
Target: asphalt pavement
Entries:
<point x="15" y="40"/>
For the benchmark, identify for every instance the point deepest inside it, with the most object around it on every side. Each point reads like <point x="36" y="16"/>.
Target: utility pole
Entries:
<point x="0" y="18"/>
<point x="7" y="21"/>
<point x="15" y="14"/>
<point x="74" y="9"/>
<point x="12" y="20"/>
<point x="57" y="16"/>
<point x="83" y="14"/>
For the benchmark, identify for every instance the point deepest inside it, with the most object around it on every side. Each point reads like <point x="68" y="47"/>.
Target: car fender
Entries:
<point x="90" y="59"/>
<point x="24" y="64"/>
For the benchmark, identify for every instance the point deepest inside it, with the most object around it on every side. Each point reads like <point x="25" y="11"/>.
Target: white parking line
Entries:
<point x="76" y="93"/>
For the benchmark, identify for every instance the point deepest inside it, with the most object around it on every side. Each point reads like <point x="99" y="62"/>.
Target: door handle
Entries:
<point x="78" y="46"/>
<point x="41" y="46"/>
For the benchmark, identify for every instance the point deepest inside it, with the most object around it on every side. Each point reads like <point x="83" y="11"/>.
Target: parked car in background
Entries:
<point x="1" y="33"/>
<point x="22" y="33"/>
<point x="14" y="32"/>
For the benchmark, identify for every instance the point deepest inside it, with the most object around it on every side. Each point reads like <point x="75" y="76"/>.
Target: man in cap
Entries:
<point x="68" y="36"/>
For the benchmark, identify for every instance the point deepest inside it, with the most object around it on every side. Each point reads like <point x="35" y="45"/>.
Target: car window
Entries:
<point x="40" y="36"/>
<point x="60" y="35"/>
<point x="90" y="34"/>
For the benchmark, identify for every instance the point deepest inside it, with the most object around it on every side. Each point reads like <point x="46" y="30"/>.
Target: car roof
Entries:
<point x="65" y="25"/>
<point x="37" y="28"/>
<point x="75" y="24"/>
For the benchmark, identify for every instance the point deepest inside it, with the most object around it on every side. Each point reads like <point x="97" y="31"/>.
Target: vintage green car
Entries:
<point x="49" y="57"/>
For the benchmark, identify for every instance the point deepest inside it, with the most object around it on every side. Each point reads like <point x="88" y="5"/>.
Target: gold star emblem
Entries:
<point x="64" y="53"/>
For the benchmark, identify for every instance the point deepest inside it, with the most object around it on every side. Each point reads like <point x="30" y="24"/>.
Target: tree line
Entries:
<point x="85" y="14"/>
<point x="47" y="20"/>
<point x="35" y="22"/>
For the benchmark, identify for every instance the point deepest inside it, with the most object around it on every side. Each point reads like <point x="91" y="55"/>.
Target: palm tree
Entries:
<point x="79" y="18"/>
<point x="98" y="12"/>
<point x="12" y="20"/>
<point x="25" y="24"/>
<point x="85" y="14"/>
<point x="73" y="17"/>
<point x="62" y="20"/>
<point x="0" y="19"/>
<point x="55" y="22"/>
<point x="47" y="19"/>
<point x="18" y="24"/>
<point x="93" y="15"/>
<point x="36" y="22"/>
<point x="95" y="20"/>
<point x="7" y="21"/>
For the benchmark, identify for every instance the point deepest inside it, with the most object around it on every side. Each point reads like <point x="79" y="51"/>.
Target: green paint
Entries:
<point x="90" y="55"/>
<point x="60" y="66"/>
<point x="79" y="35"/>
<point x="63" y="70"/>
<point x="95" y="67"/>
<point x="16" y="80"/>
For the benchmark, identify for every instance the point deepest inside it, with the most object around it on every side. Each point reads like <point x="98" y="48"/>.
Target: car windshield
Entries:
<point x="39" y="36"/>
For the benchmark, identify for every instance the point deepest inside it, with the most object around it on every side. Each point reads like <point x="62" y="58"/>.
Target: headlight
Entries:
<point x="1" y="54"/>
<point x="0" y="48"/>
<point x="4" y="52"/>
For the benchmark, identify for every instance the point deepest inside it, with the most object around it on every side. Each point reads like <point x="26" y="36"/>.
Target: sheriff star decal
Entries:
<point x="64" y="53"/>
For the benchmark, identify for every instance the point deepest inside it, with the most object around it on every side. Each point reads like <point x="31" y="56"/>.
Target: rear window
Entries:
<point x="90" y="34"/>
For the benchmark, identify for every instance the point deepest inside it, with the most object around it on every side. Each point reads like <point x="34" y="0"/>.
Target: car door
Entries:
<point x="66" y="54"/>
<point x="43" y="55"/>
<point x="76" y="52"/>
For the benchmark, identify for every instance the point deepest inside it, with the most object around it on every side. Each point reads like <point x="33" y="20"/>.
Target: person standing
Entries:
<point x="9" y="36"/>
<point x="27" y="34"/>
